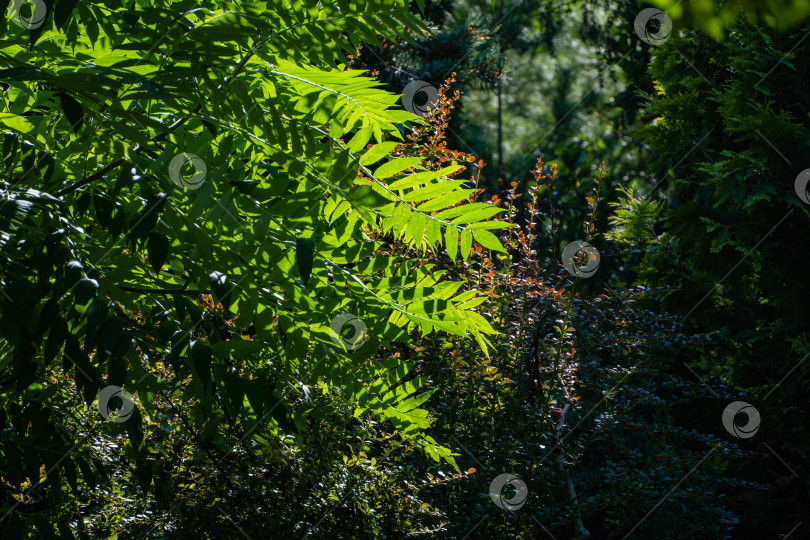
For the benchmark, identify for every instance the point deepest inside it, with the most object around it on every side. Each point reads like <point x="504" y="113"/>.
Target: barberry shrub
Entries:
<point x="577" y="395"/>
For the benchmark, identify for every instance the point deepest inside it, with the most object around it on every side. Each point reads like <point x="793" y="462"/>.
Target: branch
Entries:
<point x="188" y="292"/>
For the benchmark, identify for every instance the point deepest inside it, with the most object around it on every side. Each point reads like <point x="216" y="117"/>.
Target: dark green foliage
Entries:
<point x="242" y="292"/>
<point x="730" y="128"/>
<point x="186" y="209"/>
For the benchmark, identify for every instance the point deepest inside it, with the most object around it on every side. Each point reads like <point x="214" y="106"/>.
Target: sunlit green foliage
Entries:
<point x="335" y="322"/>
<point x="715" y="17"/>
<point x="212" y="288"/>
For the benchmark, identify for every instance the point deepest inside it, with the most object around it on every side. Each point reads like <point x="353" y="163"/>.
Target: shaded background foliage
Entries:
<point x="613" y="385"/>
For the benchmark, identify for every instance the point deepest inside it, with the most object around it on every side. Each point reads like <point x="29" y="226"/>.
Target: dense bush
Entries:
<point x="730" y="128"/>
